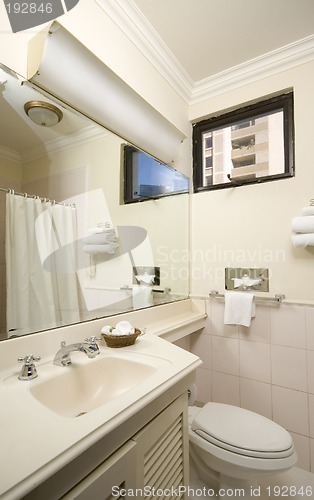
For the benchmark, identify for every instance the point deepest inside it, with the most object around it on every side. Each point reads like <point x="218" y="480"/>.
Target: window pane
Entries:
<point x="149" y="178"/>
<point x="250" y="144"/>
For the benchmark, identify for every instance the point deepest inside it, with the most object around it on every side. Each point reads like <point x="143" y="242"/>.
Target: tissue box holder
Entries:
<point x="121" y="340"/>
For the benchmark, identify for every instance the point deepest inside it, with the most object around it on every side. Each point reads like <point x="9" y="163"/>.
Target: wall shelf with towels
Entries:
<point x="278" y="298"/>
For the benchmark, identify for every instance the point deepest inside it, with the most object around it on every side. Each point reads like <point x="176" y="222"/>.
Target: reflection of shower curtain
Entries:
<point x="41" y="293"/>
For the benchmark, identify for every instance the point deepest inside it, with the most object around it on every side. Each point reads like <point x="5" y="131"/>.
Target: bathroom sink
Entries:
<point x="88" y="384"/>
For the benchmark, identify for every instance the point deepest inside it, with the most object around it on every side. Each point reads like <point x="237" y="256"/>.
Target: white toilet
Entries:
<point x="229" y="444"/>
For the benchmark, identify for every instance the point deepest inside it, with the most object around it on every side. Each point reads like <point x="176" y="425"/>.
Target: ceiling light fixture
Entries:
<point x="43" y="113"/>
<point x="91" y="87"/>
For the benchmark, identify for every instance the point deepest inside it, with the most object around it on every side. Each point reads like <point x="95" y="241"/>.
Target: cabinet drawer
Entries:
<point x="104" y="483"/>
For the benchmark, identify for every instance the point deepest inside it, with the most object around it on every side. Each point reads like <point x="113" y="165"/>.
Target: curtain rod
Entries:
<point x="26" y="195"/>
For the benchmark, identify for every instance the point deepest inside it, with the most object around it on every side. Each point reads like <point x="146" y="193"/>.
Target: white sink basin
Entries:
<point x="87" y="384"/>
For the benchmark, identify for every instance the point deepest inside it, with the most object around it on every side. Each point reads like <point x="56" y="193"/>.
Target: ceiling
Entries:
<point x="208" y="37"/>
<point x="20" y="135"/>
<point x="195" y="39"/>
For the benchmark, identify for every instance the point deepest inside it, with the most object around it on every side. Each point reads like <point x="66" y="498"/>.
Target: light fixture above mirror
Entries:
<point x="43" y="113"/>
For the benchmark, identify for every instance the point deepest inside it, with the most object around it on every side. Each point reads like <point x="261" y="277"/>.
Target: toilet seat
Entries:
<point x="241" y="431"/>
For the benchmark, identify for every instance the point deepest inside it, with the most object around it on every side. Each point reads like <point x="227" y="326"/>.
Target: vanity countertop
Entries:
<point x="36" y="442"/>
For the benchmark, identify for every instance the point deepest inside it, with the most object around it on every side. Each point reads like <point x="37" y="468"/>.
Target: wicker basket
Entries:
<point x="121" y="340"/>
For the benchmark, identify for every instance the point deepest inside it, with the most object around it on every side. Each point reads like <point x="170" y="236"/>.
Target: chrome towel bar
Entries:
<point x="278" y="297"/>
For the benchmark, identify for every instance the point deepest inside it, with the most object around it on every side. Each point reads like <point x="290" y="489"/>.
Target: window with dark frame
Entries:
<point x="146" y="178"/>
<point x="252" y="144"/>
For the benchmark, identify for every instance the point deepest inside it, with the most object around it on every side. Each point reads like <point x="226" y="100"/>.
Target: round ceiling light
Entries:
<point x="43" y="113"/>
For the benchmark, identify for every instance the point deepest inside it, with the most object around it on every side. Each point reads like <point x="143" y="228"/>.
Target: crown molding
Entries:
<point x="127" y="16"/>
<point x="9" y="154"/>
<point x="90" y="133"/>
<point x="130" y="20"/>
<point x="269" y="64"/>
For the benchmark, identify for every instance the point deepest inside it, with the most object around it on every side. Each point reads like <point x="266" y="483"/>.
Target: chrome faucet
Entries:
<point x="28" y="371"/>
<point x="90" y="348"/>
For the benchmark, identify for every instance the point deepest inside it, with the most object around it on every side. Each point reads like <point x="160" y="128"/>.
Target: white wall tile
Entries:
<point x="260" y="326"/>
<point x="290" y="409"/>
<point x="302" y="447"/>
<point x="201" y="345"/>
<point x="312" y="455"/>
<point x="255" y="361"/>
<point x="310" y="369"/>
<point x="225" y="388"/>
<point x="311" y="415"/>
<point x="256" y="396"/>
<point x="289" y="367"/>
<point x="217" y="309"/>
<point x="267" y="368"/>
<point x="309" y="327"/>
<point x="204" y="385"/>
<point x="288" y="326"/>
<point x="225" y="355"/>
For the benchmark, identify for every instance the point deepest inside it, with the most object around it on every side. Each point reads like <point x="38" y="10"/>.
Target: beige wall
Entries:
<point x="249" y="226"/>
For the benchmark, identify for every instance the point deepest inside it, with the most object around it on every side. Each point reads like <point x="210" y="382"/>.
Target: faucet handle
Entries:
<point x="28" y="371"/>
<point x="29" y="359"/>
<point x="92" y="339"/>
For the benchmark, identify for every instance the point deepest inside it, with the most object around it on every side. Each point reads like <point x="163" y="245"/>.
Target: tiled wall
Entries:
<point x="267" y="368"/>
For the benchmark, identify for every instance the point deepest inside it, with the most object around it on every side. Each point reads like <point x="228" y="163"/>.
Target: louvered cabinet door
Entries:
<point x="162" y="453"/>
<point x="113" y="479"/>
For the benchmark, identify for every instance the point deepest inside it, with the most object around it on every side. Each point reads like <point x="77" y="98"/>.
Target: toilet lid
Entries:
<point x="242" y="431"/>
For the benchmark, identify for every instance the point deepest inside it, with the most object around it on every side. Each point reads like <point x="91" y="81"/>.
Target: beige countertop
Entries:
<point x="35" y="441"/>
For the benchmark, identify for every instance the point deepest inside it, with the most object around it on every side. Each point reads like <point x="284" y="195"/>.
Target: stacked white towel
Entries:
<point x="100" y="240"/>
<point x="303" y="228"/>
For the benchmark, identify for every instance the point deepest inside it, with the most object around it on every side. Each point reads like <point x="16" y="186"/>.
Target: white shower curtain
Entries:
<point x="40" y="265"/>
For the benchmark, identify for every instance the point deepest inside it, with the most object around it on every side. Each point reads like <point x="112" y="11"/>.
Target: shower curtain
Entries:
<point x="40" y="265"/>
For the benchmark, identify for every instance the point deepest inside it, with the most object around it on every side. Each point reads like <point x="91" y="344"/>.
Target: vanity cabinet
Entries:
<point x="162" y="452"/>
<point x="108" y="481"/>
<point x="154" y="458"/>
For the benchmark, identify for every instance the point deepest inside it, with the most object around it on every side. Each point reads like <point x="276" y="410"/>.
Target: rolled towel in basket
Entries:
<point x="303" y="224"/>
<point x="303" y="240"/>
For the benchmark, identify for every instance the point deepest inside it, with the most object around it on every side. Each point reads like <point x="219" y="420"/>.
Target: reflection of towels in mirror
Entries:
<point x="239" y="308"/>
<point x="95" y="249"/>
<point x="100" y="239"/>
<point x="146" y="279"/>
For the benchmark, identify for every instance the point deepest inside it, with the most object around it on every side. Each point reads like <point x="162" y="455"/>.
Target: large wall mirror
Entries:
<point x="62" y="211"/>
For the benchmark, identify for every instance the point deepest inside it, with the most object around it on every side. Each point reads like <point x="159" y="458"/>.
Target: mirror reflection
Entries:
<point x="72" y="251"/>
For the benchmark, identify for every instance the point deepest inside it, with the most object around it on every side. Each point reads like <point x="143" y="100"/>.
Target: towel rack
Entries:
<point x="278" y="297"/>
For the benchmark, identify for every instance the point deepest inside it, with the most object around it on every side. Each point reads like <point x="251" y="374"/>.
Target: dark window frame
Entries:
<point x="283" y="102"/>
<point x="128" y="179"/>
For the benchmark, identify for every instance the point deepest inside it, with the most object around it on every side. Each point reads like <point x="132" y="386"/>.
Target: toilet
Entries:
<point x="230" y="445"/>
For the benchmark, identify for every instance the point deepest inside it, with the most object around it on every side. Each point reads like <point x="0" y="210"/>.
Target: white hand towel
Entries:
<point x="239" y="308"/>
<point x="303" y="240"/>
<point x="303" y="224"/>
<point x="308" y="210"/>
